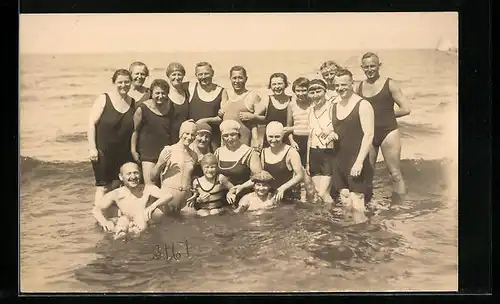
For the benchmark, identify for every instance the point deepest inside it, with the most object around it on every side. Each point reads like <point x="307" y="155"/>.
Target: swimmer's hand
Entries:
<point x="220" y="113"/>
<point x="148" y="212"/>
<point x="203" y="198"/>
<point x="308" y="170"/>
<point x="246" y="116"/>
<point x="236" y="189"/>
<point x="93" y="154"/>
<point x="164" y="155"/>
<point x="231" y="197"/>
<point x="280" y="192"/>
<point x="192" y="200"/>
<point x="356" y="169"/>
<point x="136" y="156"/>
<point x="108" y="226"/>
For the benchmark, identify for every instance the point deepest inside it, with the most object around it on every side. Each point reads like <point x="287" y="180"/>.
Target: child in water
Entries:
<point x="211" y="190"/>
<point x="132" y="200"/>
<point x="262" y="198"/>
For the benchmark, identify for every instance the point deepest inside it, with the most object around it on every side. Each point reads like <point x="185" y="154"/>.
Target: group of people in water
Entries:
<point x="197" y="146"/>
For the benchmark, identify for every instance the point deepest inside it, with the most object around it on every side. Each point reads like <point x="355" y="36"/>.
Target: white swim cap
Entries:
<point x="187" y="126"/>
<point x="229" y="126"/>
<point x="275" y="127"/>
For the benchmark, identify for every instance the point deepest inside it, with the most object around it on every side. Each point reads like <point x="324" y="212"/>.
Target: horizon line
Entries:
<point x="218" y="51"/>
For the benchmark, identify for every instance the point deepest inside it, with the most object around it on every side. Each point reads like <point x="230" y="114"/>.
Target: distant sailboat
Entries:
<point x="445" y="45"/>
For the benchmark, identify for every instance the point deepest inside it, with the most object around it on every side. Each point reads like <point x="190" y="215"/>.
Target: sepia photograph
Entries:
<point x="238" y="152"/>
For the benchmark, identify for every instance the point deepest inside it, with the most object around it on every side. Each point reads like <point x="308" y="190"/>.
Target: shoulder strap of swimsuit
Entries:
<point x="246" y="155"/>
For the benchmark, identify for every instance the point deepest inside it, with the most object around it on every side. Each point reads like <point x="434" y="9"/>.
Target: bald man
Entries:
<point x="132" y="201"/>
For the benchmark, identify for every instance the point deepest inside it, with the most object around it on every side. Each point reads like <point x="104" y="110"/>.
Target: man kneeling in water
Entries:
<point x="262" y="198"/>
<point x="131" y="200"/>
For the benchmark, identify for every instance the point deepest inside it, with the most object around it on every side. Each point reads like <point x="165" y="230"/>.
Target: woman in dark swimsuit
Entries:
<point x="382" y="95"/>
<point x="152" y="128"/>
<point x="179" y="97"/>
<point x="283" y="163"/>
<point x="236" y="160"/>
<point x="276" y="107"/>
<point x="206" y="98"/>
<point x="110" y="128"/>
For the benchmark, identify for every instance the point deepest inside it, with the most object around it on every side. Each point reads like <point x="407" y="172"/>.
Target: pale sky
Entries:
<point x="103" y="33"/>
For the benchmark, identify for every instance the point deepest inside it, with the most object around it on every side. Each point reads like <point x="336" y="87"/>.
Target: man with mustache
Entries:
<point x="132" y="200"/>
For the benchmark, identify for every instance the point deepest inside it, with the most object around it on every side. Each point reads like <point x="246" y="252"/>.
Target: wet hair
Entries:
<point x="300" y="82"/>
<point x="175" y="66"/>
<point x="121" y="72"/>
<point x="208" y="159"/>
<point x="369" y="55"/>
<point x="329" y="63"/>
<point x="160" y="83"/>
<point x="343" y="72"/>
<point x="278" y="75"/>
<point x="139" y="63"/>
<point x="317" y="81"/>
<point x="203" y="64"/>
<point x="238" y="68"/>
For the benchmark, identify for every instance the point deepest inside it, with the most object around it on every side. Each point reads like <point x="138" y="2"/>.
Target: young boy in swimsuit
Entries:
<point x="211" y="190"/>
<point x="262" y="198"/>
<point x="132" y="200"/>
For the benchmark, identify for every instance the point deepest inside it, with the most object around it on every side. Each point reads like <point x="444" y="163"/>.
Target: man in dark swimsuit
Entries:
<point x="353" y="121"/>
<point x="383" y="93"/>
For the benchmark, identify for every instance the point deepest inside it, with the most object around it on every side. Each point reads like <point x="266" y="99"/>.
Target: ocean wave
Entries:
<point x="74" y="137"/>
<point x="411" y="130"/>
<point x="73" y="96"/>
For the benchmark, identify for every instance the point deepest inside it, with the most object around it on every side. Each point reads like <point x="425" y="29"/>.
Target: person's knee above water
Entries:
<point x="236" y="160"/>
<point x="352" y="119"/>
<point x="283" y="163"/>
<point x="132" y="200"/>
<point x="210" y="192"/>
<point x="175" y="167"/>
<point x="262" y="197"/>
<point x="320" y="140"/>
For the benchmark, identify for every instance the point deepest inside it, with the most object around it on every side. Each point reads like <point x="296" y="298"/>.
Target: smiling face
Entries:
<point x="277" y="85"/>
<point x="209" y="170"/>
<point x="203" y="139"/>
<point x="301" y="93"/>
<point x="343" y="86"/>
<point x="188" y="135"/>
<point x="204" y="74"/>
<point x="328" y="74"/>
<point x="316" y="94"/>
<point x="371" y="67"/>
<point x="274" y="137"/>
<point x="176" y="78"/>
<point x="139" y="75"/>
<point x="159" y="95"/>
<point x="123" y="83"/>
<point x="231" y="139"/>
<point x="238" y="80"/>
<point x="261" y="188"/>
<point x="130" y="175"/>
